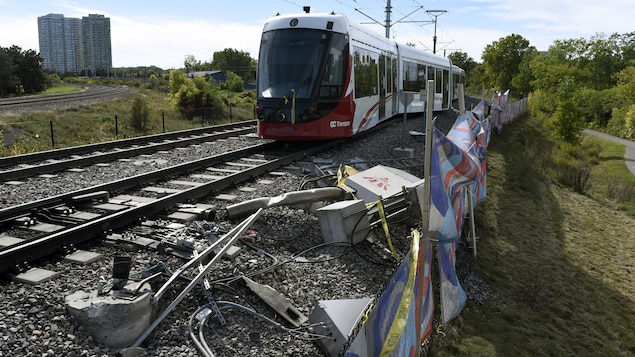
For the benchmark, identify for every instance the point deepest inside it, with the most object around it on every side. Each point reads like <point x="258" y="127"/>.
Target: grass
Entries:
<point x="559" y="265"/>
<point x="61" y="89"/>
<point x="105" y="121"/>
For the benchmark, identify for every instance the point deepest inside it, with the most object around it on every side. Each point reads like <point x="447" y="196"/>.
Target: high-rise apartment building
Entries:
<point x="76" y="46"/>
<point x="96" y="51"/>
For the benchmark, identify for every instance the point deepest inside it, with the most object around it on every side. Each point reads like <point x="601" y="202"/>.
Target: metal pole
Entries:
<point x="388" y="11"/>
<point x="116" y="126"/>
<point x="435" y="13"/>
<point x="229" y="242"/>
<point x="163" y="120"/>
<point x="425" y="205"/>
<point x="405" y="119"/>
<point x="52" y="136"/>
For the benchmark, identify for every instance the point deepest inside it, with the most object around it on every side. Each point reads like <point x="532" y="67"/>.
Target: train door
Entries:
<point x="383" y="83"/>
<point x="438" y="90"/>
<point x="446" y="88"/>
<point x="393" y="84"/>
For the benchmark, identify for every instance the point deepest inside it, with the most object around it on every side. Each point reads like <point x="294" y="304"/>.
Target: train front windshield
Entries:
<point x="304" y="64"/>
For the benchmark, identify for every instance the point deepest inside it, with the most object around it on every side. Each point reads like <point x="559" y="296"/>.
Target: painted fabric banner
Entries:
<point x="391" y="326"/>
<point x="499" y="102"/>
<point x="458" y="160"/>
<point x="391" y="329"/>
<point x="451" y="169"/>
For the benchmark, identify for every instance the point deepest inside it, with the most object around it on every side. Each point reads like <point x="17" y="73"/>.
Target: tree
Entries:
<point x="568" y="118"/>
<point x="462" y="60"/>
<point x="31" y="73"/>
<point x="140" y="113"/>
<point x="521" y="82"/>
<point x="190" y="63"/>
<point x="502" y="60"/>
<point x="21" y="71"/>
<point x="239" y="62"/>
<point x="8" y="78"/>
<point x="234" y="83"/>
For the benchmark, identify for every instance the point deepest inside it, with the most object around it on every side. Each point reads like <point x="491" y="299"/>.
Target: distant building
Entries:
<point x="76" y="46"/>
<point x="218" y="76"/>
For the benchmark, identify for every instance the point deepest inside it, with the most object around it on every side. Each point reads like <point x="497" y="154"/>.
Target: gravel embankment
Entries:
<point x="35" y="321"/>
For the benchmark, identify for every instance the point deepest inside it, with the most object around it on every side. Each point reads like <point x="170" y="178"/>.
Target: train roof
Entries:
<point x="341" y="24"/>
<point x="319" y="21"/>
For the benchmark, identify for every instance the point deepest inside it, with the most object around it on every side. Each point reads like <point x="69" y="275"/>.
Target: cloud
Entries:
<point x="165" y="44"/>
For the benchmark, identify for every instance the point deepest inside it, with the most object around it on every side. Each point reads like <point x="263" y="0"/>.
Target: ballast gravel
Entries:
<point x="283" y="249"/>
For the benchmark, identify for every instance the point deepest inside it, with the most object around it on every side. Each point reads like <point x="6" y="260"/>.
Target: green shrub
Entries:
<point x="140" y="114"/>
<point x="572" y="173"/>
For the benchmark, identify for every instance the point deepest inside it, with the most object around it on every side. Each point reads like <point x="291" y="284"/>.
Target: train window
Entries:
<point x="394" y="74"/>
<point x="421" y="77"/>
<point x="366" y="76"/>
<point x="333" y="77"/>
<point x="289" y="62"/>
<point x="439" y="81"/>
<point x="430" y="73"/>
<point x="446" y="87"/>
<point x="389" y="78"/>
<point x="410" y="76"/>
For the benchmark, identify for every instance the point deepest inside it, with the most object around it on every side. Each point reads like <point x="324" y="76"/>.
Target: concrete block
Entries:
<point x="401" y="153"/>
<point x="83" y="257"/>
<point x="36" y="276"/>
<point x="6" y="240"/>
<point x="116" y="318"/>
<point x="344" y="221"/>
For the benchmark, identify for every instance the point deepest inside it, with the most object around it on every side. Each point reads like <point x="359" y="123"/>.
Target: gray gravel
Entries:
<point x="35" y="320"/>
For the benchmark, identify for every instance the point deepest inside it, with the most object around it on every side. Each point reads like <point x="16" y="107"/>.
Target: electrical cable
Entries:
<point x="202" y="345"/>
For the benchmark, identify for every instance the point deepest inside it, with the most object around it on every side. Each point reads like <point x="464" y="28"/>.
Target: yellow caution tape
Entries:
<point x="384" y="223"/>
<point x="293" y="107"/>
<point x="400" y="320"/>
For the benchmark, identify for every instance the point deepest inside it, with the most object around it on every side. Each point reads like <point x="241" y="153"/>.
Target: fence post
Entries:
<point x="52" y="136"/>
<point x="163" y="120"/>
<point x="116" y="127"/>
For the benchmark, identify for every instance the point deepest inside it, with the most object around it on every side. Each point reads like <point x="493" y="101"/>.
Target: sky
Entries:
<point x="162" y="33"/>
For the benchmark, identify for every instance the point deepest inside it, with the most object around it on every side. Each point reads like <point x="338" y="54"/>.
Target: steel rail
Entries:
<point x="88" y="92"/>
<point x="32" y="250"/>
<point x="39" y="156"/>
<point x="133" y="150"/>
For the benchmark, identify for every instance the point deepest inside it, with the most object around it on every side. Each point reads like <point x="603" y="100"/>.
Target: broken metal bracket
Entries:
<point x="277" y="301"/>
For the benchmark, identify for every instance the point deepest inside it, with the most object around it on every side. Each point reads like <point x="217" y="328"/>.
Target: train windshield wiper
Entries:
<point x="290" y="94"/>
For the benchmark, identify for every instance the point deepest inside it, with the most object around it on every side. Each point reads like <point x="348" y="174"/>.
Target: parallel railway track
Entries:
<point x="51" y="161"/>
<point x="42" y="227"/>
<point x="88" y="92"/>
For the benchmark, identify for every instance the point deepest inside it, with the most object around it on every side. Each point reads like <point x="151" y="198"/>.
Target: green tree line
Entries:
<point x="575" y="83"/>
<point x="21" y="72"/>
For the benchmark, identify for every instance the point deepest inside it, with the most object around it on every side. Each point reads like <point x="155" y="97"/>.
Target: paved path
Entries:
<point x="629" y="154"/>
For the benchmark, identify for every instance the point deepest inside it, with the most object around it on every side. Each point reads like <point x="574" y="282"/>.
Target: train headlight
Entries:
<point x="260" y="113"/>
<point x="280" y="115"/>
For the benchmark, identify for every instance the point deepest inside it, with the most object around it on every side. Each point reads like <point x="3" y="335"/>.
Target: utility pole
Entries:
<point x="435" y="13"/>
<point x="388" y="11"/>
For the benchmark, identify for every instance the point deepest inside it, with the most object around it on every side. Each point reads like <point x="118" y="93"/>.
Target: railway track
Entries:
<point x="130" y="218"/>
<point x="45" y="226"/>
<point x="51" y="161"/>
<point x="87" y="92"/>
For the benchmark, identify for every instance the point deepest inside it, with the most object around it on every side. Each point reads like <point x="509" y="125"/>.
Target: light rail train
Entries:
<point x="323" y="77"/>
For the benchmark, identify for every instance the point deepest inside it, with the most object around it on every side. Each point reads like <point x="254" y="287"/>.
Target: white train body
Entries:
<point x="322" y="77"/>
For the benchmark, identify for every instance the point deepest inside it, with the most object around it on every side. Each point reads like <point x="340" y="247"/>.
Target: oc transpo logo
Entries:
<point x="339" y="124"/>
